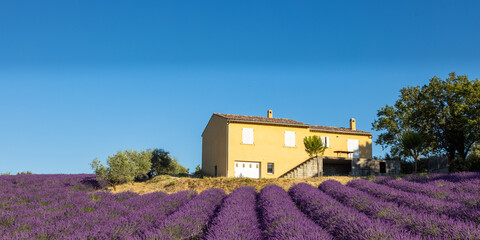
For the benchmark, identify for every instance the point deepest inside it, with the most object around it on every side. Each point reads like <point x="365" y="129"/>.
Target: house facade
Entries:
<point x="268" y="147"/>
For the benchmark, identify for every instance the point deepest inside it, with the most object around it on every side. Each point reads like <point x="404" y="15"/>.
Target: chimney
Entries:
<point x="353" y="125"/>
<point x="270" y="114"/>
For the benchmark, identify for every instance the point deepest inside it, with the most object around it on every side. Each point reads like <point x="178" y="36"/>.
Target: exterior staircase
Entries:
<point x="312" y="167"/>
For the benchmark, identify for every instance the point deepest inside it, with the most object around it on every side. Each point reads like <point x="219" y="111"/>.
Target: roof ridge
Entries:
<point x="253" y="116"/>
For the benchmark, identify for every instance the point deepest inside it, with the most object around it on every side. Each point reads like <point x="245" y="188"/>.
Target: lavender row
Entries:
<point x="471" y="187"/>
<point x="154" y="214"/>
<point x="417" y="201"/>
<point x="424" y="224"/>
<point x="109" y="217"/>
<point x="452" y="177"/>
<point x="470" y="184"/>
<point x="341" y="221"/>
<point x="190" y="220"/>
<point x="237" y="218"/>
<point x="433" y="191"/>
<point x="281" y="219"/>
<point x="63" y="207"/>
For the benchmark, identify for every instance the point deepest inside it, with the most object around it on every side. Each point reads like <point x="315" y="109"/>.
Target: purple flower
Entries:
<point x="281" y="219"/>
<point x="237" y="218"/>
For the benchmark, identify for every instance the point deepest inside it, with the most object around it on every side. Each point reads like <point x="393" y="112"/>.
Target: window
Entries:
<point x="326" y="141"/>
<point x="289" y="139"/>
<point x="270" y="168"/>
<point x="247" y="135"/>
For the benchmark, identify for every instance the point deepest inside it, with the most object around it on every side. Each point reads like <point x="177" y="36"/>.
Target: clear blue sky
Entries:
<point x="83" y="79"/>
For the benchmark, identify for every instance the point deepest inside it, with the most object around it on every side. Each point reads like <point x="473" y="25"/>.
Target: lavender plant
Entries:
<point x="433" y="191"/>
<point x="237" y="218"/>
<point x="416" y="201"/>
<point x="65" y="207"/>
<point x="190" y="220"/>
<point x="425" y="224"/>
<point x="341" y="221"/>
<point x="281" y="219"/>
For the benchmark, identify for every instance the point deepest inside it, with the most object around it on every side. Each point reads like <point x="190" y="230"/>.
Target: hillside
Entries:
<point x="169" y="184"/>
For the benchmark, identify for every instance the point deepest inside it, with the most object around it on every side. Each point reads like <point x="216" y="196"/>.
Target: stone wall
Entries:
<point x="329" y="166"/>
<point x="438" y="164"/>
<point x="366" y="167"/>
<point x="313" y="167"/>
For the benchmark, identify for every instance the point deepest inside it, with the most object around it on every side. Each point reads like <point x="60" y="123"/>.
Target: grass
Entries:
<point x="171" y="184"/>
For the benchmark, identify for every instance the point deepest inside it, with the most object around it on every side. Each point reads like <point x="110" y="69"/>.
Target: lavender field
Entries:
<point x="72" y="207"/>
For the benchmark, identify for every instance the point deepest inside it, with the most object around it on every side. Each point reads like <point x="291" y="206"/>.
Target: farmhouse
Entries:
<point x="268" y="147"/>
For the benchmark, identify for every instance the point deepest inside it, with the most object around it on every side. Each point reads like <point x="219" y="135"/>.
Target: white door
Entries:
<point x="247" y="169"/>
<point x="353" y="147"/>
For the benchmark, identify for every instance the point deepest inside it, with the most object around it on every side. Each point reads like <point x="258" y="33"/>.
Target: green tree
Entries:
<point x="176" y="168"/>
<point x="412" y="143"/>
<point x="161" y="162"/>
<point x="314" y="145"/>
<point x="445" y="112"/>
<point x="198" y="172"/>
<point x="123" y="167"/>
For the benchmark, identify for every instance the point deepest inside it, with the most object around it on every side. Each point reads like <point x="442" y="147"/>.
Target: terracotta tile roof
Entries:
<point x="288" y="122"/>
<point x="264" y="120"/>
<point x="337" y="130"/>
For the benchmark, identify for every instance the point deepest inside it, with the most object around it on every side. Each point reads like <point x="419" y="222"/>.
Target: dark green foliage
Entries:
<point x="198" y="172"/>
<point x="163" y="163"/>
<point x="445" y="112"/>
<point x="408" y="167"/>
<point x="314" y="145"/>
<point x="472" y="163"/>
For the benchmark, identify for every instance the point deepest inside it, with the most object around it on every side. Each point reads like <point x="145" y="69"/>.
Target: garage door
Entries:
<point x="247" y="169"/>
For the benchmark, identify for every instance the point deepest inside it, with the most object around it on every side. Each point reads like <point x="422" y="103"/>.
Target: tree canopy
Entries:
<point x="446" y="113"/>
<point x="163" y="163"/>
<point x="127" y="166"/>
<point x="123" y="166"/>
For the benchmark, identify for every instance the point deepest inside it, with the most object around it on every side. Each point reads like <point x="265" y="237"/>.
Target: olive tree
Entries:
<point x="123" y="167"/>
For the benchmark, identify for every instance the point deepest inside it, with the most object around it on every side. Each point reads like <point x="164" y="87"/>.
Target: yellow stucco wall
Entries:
<point x="214" y="147"/>
<point x="338" y="141"/>
<point x="269" y="147"/>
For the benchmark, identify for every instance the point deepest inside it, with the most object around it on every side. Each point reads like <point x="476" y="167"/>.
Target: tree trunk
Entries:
<point x="415" y="170"/>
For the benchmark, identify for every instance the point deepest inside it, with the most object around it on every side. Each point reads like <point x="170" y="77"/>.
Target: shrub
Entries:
<point x="198" y="172"/>
<point x="472" y="163"/>
<point x="123" y="166"/>
<point x="163" y="163"/>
